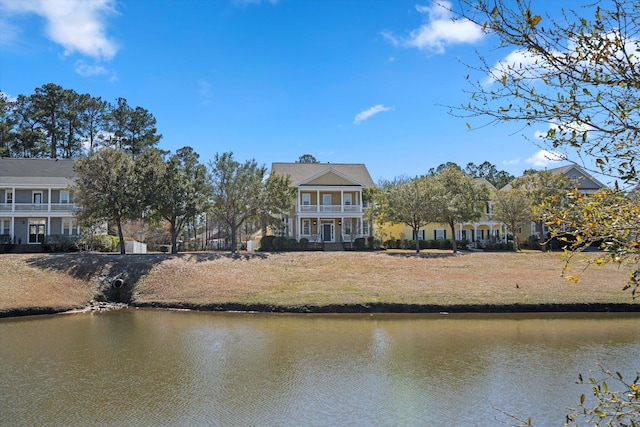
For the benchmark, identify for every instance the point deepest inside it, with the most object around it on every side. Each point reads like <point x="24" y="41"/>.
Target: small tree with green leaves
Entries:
<point x="177" y="188"/>
<point x="107" y="189"/>
<point x="409" y="201"/>
<point x="513" y="207"/>
<point x="458" y="199"/>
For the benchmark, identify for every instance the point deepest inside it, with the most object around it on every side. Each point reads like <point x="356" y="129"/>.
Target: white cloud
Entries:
<point x="8" y="97"/>
<point x="77" y="25"/>
<point x="543" y="158"/>
<point x="86" y="70"/>
<point x="511" y="162"/>
<point x="517" y="62"/>
<point x="366" y="114"/>
<point x="569" y="127"/>
<point x="439" y="30"/>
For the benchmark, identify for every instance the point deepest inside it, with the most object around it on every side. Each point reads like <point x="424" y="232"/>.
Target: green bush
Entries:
<point x="98" y="242"/>
<point x="359" y="243"/>
<point x="371" y="242"/>
<point x="266" y="243"/>
<point x="304" y="243"/>
<point x="279" y="243"/>
<point x="444" y="244"/>
<point x="60" y="243"/>
<point x="292" y="244"/>
<point x="462" y="244"/>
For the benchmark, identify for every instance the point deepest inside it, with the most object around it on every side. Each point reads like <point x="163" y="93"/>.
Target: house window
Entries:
<point x="347" y="227"/>
<point x="365" y="228"/>
<point x="37" y="197"/>
<point x="9" y="197"/>
<point x="439" y="234"/>
<point x="64" y="196"/>
<point x="5" y="226"/>
<point x="574" y="177"/>
<point x="69" y="227"/>
<point x="347" y="199"/>
<point x="306" y="227"/>
<point x="365" y="203"/>
<point x="306" y="200"/>
<point x="326" y="202"/>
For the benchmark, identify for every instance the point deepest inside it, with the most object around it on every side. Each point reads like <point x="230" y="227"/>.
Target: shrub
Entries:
<point x="462" y="244"/>
<point x="304" y="243"/>
<point x="98" y="242"/>
<point x="266" y="243"/>
<point x="60" y="243"/>
<point x="292" y="244"/>
<point x="279" y="243"/>
<point x="371" y="242"/>
<point x="444" y="244"/>
<point x="359" y="243"/>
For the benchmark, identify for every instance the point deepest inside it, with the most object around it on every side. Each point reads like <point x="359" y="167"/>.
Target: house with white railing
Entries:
<point x="329" y="205"/>
<point x="36" y="200"/>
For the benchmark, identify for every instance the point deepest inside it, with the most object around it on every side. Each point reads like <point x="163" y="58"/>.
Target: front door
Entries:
<point x="327" y="232"/>
<point x="36" y="233"/>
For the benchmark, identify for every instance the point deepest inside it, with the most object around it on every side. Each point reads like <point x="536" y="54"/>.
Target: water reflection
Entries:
<point x="144" y="367"/>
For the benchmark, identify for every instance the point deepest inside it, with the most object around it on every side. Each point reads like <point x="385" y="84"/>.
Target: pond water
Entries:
<point x="174" y="368"/>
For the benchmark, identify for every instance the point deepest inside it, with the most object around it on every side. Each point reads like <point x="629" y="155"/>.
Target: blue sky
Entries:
<point x="348" y="81"/>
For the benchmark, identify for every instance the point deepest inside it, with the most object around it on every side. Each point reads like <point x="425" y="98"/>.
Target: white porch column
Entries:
<point x="49" y="200"/>
<point x="318" y="201"/>
<point x="13" y="199"/>
<point x="341" y="200"/>
<point x="298" y="201"/>
<point x="475" y="232"/>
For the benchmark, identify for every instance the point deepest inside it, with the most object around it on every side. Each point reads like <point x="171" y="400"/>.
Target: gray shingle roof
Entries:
<point x="301" y="172"/>
<point x="15" y="170"/>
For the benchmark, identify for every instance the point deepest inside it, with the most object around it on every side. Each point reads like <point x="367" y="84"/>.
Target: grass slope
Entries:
<point x="303" y="279"/>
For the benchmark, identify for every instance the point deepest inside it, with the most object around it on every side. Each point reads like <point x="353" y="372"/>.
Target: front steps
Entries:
<point x="332" y="247"/>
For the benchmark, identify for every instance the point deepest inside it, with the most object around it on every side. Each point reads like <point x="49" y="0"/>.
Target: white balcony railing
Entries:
<point x="38" y="207"/>
<point x="329" y="208"/>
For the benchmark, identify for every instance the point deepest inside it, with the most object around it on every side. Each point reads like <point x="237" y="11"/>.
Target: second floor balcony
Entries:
<point x="38" y="207"/>
<point x="347" y="208"/>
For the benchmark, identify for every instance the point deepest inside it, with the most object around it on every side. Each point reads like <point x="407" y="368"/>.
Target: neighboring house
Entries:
<point x="36" y="199"/>
<point x="579" y="178"/>
<point x="329" y="206"/>
<point x="478" y="233"/>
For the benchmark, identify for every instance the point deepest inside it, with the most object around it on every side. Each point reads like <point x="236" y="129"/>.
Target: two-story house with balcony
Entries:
<point x="329" y="205"/>
<point x="36" y="199"/>
<point x="478" y="233"/>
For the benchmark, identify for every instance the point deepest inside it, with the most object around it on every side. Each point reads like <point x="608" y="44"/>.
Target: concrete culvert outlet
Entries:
<point x="118" y="283"/>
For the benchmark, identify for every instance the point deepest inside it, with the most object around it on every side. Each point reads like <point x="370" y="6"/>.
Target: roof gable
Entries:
<point x="329" y="177"/>
<point x="325" y="174"/>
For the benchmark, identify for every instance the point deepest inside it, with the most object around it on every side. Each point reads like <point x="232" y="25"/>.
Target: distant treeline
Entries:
<point x="54" y="122"/>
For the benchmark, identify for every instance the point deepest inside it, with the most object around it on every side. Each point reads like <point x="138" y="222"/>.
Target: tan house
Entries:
<point x="329" y="205"/>
<point x="579" y="178"/>
<point x="478" y="233"/>
<point x="36" y="200"/>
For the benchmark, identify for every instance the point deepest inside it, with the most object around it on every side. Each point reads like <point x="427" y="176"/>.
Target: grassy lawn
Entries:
<point x="312" y="279"/>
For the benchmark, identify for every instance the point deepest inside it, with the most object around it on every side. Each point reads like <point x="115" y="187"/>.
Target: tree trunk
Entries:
<point x="543" y="238"/>
<point x="417" y="238"/>
<point x="174" y="237"/>
<point x="121" y="237"/>
<point x="453" y="237"/>
<point x="234" y="229"/>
